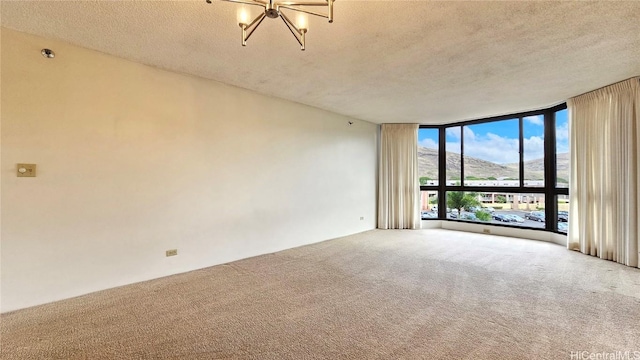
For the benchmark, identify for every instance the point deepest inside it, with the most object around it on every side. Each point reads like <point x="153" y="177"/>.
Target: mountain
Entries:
<point x="534" y="169"/>
<point x="563" y="164"/>
<point x="428" y="163"/>
<point x="428" y="166"/>
<point x="537" y="166"/>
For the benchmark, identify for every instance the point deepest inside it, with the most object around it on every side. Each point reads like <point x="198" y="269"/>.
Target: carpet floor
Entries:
<point x="427" y="294"/>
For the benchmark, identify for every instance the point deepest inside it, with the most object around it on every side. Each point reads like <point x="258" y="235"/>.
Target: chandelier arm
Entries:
<point x="289" y="22"/>
<point x="272" y="10"/>
<point x="247" y="2"/>
<point x="300" y="3"/>
<point x="284" y="18"/>
<point x="304" y="11"/>
<point x="259" y="21"/>
<point x="258" y="18"/>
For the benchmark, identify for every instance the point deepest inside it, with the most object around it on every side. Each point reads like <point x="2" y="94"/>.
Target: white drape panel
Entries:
<point x="398" y="185"/>
<point x="605" y="175"/>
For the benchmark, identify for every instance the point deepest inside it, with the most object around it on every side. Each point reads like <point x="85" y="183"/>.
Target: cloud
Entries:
<point x="453" y="132"/>
<point x="496" y="148"/>
<point x="468" y="134"/>
<point x="562" y="138"/>
<point x="533" y="148"/>
<point x="453" y="146"/>
<point x="428" y="143"/>
<point x="492" y="147"/>
<point x="535" y="120"/>
<point x="562" y="131"/>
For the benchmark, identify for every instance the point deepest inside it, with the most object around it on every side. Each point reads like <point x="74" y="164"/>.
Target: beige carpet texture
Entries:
<point x="382" y="294"/>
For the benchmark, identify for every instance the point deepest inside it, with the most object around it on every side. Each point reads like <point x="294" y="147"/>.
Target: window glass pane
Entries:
<point x="429" y="208"/>
<point x="467" y="206"/>
<point x="457" y="202"/>
<point x="523" y="210"/>
<point x="492" y="153"/>
<point x="562" y="149"/>
<point x="533" y="135"/>
<point x="453" y="155"/>
<point x="563" y="213"/>
<point x="428" y="156"/>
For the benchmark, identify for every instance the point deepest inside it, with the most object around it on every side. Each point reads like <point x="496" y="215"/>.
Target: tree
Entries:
<point x="483" y="215"/>
<point x="460" y="200"/>
<point x="501" y="199"/>
<point x="424" y="180"/>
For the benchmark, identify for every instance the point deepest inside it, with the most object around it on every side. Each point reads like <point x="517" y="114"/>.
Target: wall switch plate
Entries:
<point x="26" y="170"/>
<point x="172" y="252"/>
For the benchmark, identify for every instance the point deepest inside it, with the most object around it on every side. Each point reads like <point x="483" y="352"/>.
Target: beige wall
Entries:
<point x="133" y="160"/>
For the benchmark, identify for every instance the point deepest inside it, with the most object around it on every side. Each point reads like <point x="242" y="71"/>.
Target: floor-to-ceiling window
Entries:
<point x="428" y="170"/>
<point x="509" y="170"/>
<point x="562" y="168"/>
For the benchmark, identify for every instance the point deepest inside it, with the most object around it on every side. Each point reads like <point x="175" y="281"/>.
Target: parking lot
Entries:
<point x="525" y="223"/>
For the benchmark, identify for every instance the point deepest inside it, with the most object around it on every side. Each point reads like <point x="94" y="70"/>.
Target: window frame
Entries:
<point x="549" y="190"/>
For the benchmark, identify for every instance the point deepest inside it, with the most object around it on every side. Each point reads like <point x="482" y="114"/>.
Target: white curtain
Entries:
<point x="398" y="185"/>
<point x="605" y="174"/>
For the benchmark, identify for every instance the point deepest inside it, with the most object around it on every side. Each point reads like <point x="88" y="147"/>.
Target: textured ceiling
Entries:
<point x="381" y="61"/>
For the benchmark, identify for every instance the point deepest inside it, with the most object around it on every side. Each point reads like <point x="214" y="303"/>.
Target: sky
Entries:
<point x="498" y="141"/>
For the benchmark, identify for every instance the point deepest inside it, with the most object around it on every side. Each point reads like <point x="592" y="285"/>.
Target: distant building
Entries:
<point x="521" y="201"/>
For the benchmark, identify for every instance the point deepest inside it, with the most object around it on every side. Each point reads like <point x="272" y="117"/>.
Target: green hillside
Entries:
<point x="534" y="169"/>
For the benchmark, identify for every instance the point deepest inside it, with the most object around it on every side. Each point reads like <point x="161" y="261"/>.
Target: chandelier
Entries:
<point x="273" y="9"/>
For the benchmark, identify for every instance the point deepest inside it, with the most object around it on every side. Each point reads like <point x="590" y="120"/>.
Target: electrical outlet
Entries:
<point x="486" y="231"/>
<point x="172" y="252"/>
<point x="361" y="217"/>
<point x="26" y="170"/>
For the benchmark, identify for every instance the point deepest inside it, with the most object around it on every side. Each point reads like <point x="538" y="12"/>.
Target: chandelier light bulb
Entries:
<point x="243" y="15"/>
<point x="303" y="21"/>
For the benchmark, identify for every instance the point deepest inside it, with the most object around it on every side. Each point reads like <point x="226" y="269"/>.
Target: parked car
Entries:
<point x="434" y="208"/>
<point x="563" y="216"/>
<point x="563" y="227"/>
<point x="500" y="217"/>
<point x="489" y="209"/>
<point x="514" y="218"/>
<point x="428" y="215"/>
<point x="472" y="217"/>
<point x="535" y="216"/>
